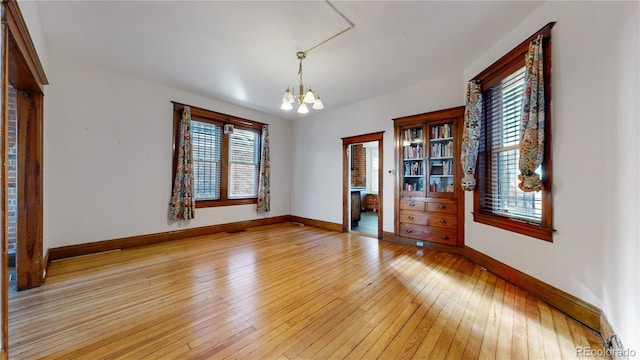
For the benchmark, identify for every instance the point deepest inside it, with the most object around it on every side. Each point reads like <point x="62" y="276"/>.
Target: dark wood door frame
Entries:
<point x="22" y="68"/>
<point x="377" y="136"/>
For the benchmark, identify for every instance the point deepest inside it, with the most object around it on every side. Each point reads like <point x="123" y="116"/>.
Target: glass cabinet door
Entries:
<point x="413" y="159"/>
<point x="441" y="150"/>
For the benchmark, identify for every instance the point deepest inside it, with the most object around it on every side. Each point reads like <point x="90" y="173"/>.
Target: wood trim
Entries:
<point x="509" y="62"/>
<point x="20" y="33"/>
<point x="214" y="115"/>
<point x="4" y="281"/>
<point x="444" y="114"/>
<point x="131" y="241"/>
<point x="228" y="202"/>
<point x="30" y="185"/>
<point x="362" y="138"/>
<point x="391" y="237"/>
<point x="316" y="223"/>
<point x="569" y="304"/>
<point x="514" y="226"/>
<point x="345" y="188"/>
<point x="357" y="139"/>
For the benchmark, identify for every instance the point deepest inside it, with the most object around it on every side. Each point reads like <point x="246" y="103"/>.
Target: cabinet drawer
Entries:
<point x="442" y="221"/>
<point x="418" y="218"/>
<point x="411" y="204"/>
<point x="428" y="233"/>
<point x="442" y="207"/>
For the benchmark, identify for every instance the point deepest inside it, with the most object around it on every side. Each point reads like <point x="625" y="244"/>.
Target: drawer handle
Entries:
<point x="408" y="231"/>
<point x="412" y="204"/>
<point x="411" y="217"/>
<point x="442" y="206"/>
<point x="443" y="221"/>
<point x="444" y="237"/>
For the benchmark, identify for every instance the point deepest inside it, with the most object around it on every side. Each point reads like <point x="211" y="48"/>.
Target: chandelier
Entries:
<point x="302" y="98"/>
<point x="309" y="97"/>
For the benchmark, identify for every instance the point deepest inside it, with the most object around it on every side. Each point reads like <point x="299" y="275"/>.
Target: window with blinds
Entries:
<point x="226" y="166"/>
<point x="497" y="199"/>
<point x="207" y="148"/>
<point x="244" y="163"/>
<point x="503" y="119"/>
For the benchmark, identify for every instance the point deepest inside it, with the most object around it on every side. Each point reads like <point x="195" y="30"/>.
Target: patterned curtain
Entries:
<point x="182" y="205"/>
<point x="471" y="134"/>
<point x="264" y="182"/>
<point x="532" y="140"/>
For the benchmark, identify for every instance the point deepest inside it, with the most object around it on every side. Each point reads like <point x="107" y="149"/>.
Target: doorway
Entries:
<point x="362" y="184"/>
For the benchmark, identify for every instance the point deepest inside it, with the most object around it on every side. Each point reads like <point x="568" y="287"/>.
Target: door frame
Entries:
<point x="22" y="68"/>
<point x="346" y="182"/>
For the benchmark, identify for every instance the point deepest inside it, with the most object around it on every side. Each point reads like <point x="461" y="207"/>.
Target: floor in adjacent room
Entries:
<point x="284" y="292"/>
<point x="368" y="223"/>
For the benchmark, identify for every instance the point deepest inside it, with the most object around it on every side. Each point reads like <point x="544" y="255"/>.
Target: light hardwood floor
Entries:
<point x="284" y="292"/>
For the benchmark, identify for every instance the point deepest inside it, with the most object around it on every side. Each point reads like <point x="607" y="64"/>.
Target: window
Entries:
<point x="498" y="201"/>
<point x="226" y="166"/>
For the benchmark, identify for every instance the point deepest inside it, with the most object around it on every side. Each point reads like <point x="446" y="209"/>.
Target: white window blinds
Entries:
<point x="207" y="146"/>
<point x="244" y="163"/>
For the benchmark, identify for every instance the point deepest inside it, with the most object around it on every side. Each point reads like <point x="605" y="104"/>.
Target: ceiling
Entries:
<point x="244" y="52"/>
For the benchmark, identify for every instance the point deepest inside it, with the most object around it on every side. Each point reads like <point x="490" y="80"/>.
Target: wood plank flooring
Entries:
<point x="284" y="292"/>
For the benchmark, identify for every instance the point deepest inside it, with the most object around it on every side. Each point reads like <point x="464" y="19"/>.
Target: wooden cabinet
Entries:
<point x="429" y="199"/>
<point x="356" y="207"/>
<point x="371" y="202"/>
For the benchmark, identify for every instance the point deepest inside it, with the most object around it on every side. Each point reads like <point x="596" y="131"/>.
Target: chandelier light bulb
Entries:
<point x="288" y="96"/>
<point x="308" y="98"/>
<point x="317" y="104"/>
<point x="286" y="105"/>
<point x="303" y="109"/>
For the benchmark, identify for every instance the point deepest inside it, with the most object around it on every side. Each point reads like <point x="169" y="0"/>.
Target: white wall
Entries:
<point x="595" y="95"/>
<point x="317" y="145"/>
<point x="32" y="19"/>
<point x="108" y="157"/>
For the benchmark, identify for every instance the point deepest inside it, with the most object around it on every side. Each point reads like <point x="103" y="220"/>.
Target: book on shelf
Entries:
<point x="413" y="168"/>
<point x="447" y="167"/>
<point x="413" y="151"/>
<point x="441" y="131"/>
<point x="411" y="187"/>
<point x="412" y="135"/>
<point x="442" y="149"/>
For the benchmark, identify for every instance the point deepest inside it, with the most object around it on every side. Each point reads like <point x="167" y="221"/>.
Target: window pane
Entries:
<point x="207" y="146"/>
<point x="244" y="162"/>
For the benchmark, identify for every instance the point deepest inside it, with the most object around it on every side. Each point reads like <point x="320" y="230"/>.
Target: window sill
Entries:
<point x="216" y="203"/>
<point x="514" y="226"/>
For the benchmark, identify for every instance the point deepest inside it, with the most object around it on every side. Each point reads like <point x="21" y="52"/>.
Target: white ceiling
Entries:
<point x="244" y="52"/>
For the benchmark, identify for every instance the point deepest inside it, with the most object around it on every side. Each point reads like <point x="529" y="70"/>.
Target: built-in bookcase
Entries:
<point x="429" y="199"/>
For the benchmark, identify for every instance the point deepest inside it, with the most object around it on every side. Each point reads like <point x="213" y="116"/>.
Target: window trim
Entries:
<point x="491" y="76"/>
<point x="200" y="114"/>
